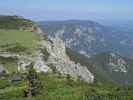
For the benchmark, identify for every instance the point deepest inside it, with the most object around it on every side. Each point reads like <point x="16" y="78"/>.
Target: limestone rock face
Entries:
<point x="63" y="64"/>
<point x="40" y="64"/>
<point x="57" y="57"/>
<point x="22" y="64"/>
<point x="118" y="64"/>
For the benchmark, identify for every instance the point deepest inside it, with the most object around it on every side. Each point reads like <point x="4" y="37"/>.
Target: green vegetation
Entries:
<point x="97" y="66"/>
<point x="34" y="84"/>
<point x="15" y="48"/>
<point x="18" y="40"/>
<point x="45" y="53"/>
<point x="100" y="76"/>
<point x="14" y="40"/>
<point x="57" y="88"/>
<point x="14" y="34"/>
<point x="103" y="68"/>
<point x="14" y="22"/>
<point x="10" y="64"/>
<point x="53" y="68"/>
<point x="69" y="80"/>
<point x="10" y="91"/>
<point x="78" y="58"/>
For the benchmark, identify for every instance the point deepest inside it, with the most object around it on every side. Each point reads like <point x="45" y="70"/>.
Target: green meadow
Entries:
<point x="16" y="41"/>
<point x="23" y="39"/>
<point x="56" y="87"/>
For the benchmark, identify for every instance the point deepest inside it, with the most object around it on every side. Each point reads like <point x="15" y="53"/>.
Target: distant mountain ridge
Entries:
<point x="57" y="67"/>
<point x="107" y="50"/>
<point x="47" y="53"/>
<point x="114" y="67"/>
<point x="23" y="44"/>
<point x="89" y="37"/>
<point x="78" y="35"/>
<point x="107" y="67"/>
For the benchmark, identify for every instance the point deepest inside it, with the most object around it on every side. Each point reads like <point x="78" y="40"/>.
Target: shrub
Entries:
<point x="45" y="54"/>
<point x="16" y="48"/>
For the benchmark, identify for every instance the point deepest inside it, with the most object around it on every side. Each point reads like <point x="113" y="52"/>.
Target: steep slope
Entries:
<point x="24" y="46"/>
<point x="85" y="37"/>
<point x="90" y="38"/>
<point x="98" y="72"/>
<point x="115" y="67"/>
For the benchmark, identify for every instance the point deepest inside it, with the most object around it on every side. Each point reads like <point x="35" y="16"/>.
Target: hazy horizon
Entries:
<point x="43" y="10"/>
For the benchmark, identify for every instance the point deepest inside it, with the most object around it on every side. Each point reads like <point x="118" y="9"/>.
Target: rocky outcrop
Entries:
<point x="2" y="70"/>
<point x="56" y="52"/>
<point x="91" y="38"/>
<point x="57" y="57"/>
<point x="117" y="63"/>
<point x="63" y="64"/>
<point x="40" y="64"/>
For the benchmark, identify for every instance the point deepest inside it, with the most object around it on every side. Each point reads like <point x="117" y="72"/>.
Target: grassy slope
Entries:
<point x="14" y="22"/>
<point x="10" y="64"/>
<point x="25" y="38"/>
<point x="8" y="38"/>
<point x="57" y="88"/>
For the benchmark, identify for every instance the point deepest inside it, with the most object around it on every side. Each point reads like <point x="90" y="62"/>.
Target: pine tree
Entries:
<point x="34" y="84"/>
<point x="69" y="80"/>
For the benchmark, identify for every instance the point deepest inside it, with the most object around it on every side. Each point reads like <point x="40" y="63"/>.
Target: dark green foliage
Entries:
<point x="57" y="89"/>
<point x="100" y="76"/>
<point x="53" y="68"/>
<point x="34" y="84"/>
<point x="4" y="83"/>
<point x="78" y="58"/>
<point x="17" y="47"/>
<point x="101" y="62"/>
<point x="98" y="65"/>
<point x="45" y="53"/>
<point x="14" y="22"/>
<point x="10" y="64"/>
<point x="69" y="80"/>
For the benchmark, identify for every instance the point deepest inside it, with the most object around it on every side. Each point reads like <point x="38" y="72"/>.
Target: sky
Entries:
<point x="99" y="10"/>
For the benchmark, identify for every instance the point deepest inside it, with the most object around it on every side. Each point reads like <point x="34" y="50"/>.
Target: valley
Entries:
<point x="62" y="72"/>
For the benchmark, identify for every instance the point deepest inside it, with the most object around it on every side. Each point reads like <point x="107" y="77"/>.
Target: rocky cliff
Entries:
<point x="57" y="58"/>
<point x="49" y="54"/>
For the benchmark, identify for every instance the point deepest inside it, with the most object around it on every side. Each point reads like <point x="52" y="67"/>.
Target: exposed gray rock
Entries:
<point x="118" y="64"/>
<point x="62" y="62"/>
<point x="22" y="64"/>
<point x="57" y="57"/>
<point x="2" y="70"/>
<point x="15" y="78"/>
<point x="40" y="64"/>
